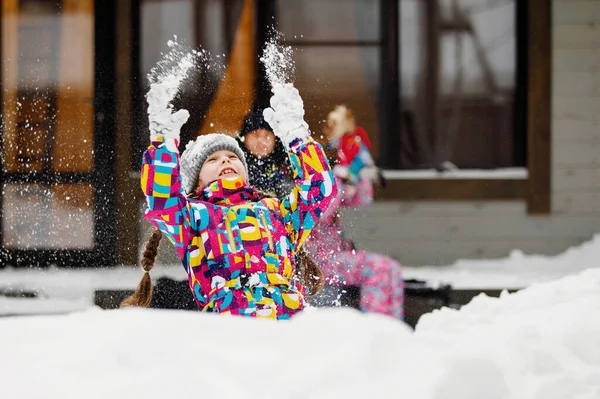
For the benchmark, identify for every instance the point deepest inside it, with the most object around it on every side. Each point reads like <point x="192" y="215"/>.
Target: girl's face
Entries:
<point x="219" y="164"/>
<point x="260" y="142"/>
<point x="339" y="121"/>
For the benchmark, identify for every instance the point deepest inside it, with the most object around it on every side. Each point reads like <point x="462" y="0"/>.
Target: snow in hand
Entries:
<point x="278" y="61"/>
<point x="542" y="342"/>
<point x="288" y="121"/>
<point x="165" y="80"/>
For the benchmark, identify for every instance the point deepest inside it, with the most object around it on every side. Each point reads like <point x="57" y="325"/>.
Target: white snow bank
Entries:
<point x="543" y="342"/>
<point x="518" y="270"/>
<point x="67" y="290"/>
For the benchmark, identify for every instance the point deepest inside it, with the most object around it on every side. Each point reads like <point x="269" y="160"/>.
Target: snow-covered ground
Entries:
<point x="518" y="270"/>
<point x="540" y="343"/>
<point x="61" y="290"/>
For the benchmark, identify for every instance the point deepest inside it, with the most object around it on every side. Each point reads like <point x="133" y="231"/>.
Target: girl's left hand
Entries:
<point x="286" y="115"/>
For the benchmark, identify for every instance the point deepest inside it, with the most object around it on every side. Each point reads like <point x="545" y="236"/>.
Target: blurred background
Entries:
<point x="482" y="113"/>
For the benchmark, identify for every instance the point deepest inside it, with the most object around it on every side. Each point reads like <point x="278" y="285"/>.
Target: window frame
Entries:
<point x="100" y="178"/>
<point x="534" y="74"/>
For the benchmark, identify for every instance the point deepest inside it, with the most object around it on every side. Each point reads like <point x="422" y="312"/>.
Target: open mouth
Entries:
<point x="227" y="171"/>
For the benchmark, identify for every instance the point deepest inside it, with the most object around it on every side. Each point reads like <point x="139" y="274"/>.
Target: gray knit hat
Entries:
<point x="197" y="151"/>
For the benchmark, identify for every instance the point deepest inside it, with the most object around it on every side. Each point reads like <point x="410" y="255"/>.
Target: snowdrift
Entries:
<point x="542" y="342"/>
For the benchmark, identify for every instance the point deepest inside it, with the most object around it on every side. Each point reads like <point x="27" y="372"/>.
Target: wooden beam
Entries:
<point x="390" y="107"/>
<point x="539" y="119"/>
<point x="453" y="190"/>
<point x="129" y="195"/>
<point x="72" y="144"/>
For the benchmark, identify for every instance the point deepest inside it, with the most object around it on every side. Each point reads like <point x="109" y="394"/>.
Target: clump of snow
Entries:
<point x="541" y="343"/>
<point x="287" y="120"/>
<point x="165" y="79"/>
<point x="278" y="61"/>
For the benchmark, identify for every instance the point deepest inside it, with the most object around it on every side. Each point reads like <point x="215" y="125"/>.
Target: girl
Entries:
<point x="238" y="250"/>
<point x="379" y="276"/>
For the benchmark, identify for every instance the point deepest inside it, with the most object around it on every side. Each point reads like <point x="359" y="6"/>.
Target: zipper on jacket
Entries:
<point x="230" y="233"/>
<point x="264" y="221"/>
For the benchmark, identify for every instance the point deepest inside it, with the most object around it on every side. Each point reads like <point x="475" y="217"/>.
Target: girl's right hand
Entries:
<point x="163" y="122"/>
<point x="167" y="124"/>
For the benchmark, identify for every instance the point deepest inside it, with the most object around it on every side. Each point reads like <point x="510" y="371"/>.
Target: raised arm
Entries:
<point x="314" y="187"/>
<point x="167" y="205"/>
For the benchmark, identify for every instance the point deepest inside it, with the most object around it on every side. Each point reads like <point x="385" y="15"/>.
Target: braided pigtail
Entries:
<point x="143" y="293"/>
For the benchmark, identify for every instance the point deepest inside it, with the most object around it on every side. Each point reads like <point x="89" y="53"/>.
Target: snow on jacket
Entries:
<point x="238" y="249"/>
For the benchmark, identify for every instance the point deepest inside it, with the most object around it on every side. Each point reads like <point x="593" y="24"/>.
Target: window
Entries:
<point x="337" y="54"/>
<point x="438" y="85"/>
<point x="53" y="210"/>
<point x="458" y="64"/>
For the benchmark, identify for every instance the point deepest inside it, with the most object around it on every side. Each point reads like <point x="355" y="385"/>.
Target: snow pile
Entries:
<point x="543" y="342"/>
<point x="64" y="290"/>
<point x="518" y="270"/>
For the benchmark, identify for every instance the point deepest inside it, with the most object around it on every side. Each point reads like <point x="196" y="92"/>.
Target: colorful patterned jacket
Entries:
<point x="238" y="249"/>
<point x="354" y="153"/>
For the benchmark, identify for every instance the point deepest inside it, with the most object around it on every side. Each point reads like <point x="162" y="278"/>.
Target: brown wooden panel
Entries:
<point x="538" y="123"/>
<point x="76" y="196"/>
<point x="128" y="193"/>
<point x="74" y="136"/>
<point x="453" y="189"/>
<point x="10" y="34"/>
<point x="235" y="96"/>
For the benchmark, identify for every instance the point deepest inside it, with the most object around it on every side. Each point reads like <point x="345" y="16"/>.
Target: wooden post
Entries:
<point x="538" y="104"/>
<point x="389" y="105"/>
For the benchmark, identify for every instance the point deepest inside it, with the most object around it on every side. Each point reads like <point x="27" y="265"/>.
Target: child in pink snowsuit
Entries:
<point x="379" y="276"/>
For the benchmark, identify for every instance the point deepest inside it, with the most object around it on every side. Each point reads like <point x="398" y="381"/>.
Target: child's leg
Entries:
<point x="382" y="285"/>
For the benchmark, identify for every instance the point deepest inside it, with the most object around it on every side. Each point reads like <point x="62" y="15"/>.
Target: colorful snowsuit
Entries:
<point x="379" y="277"/>
<point x="353" y="153"/>
<point x="237" y="249"/>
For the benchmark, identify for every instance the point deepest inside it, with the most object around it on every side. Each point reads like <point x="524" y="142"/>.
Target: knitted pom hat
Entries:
<point x="254" y="121"/>
<point x="197" y="151"/>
